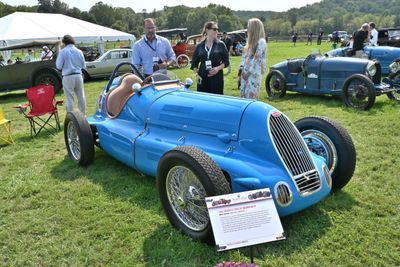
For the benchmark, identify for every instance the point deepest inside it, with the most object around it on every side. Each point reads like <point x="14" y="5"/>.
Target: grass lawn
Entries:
<point x="54" y="213"/>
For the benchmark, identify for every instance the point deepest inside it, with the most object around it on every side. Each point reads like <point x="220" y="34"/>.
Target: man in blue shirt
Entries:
<point x="152" y="52"/>
<point x="71" y="62"/>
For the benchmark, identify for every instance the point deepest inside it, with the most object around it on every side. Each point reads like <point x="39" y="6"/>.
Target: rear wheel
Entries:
<point x="185" y="176"/>
<point x="395" y="95"/>
<point x="358" y="92"/>
<point x="78" y="138"/>
<point x="182" y="61"/>
<point x="275" y="84"/>
<point x="48" y="78"/>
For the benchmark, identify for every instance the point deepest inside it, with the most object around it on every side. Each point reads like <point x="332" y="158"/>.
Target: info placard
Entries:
<point x="244" y="219"/>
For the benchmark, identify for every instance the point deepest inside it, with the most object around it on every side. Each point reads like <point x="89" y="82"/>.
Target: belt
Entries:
<point x="75" y="73"/>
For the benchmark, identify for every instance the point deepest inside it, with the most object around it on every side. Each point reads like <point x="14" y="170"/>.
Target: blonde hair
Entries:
<point x="255" y="31"/>
<point x="207" y="26"/>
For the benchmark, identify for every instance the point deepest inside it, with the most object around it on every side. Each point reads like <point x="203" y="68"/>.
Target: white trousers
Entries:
<point x="73" y="84"/>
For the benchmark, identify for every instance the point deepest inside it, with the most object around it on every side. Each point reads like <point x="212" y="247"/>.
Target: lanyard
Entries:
<point x="154" y="49"/>
<point x="208" y="50"/>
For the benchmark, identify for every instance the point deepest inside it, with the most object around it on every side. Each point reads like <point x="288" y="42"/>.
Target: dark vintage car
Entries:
<point x="357" y="80"/>
<point x="386" y="55"/>
<point x="20" y="74"/>
<point x="200" y="145"/>
<point x="389" y="37"/>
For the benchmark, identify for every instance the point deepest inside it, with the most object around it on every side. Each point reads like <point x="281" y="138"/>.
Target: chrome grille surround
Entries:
<point x="283" y="194"/>
<point x="327" y="175"/>
<point x="294" y="153"/>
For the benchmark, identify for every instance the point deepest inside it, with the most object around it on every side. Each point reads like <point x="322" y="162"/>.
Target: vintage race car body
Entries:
<point x="200" y="145"/>
<point x="358" y="81"/>
<point x="386" y="55"/>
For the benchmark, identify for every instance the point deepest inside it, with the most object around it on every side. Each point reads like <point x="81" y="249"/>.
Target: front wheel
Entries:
<point x="395" y="95"/>
<point x="182" y="61"/>
<point x="275" y="84"/>
<point x="331" y="141"/>
<point x="185" y="176"/>
<point x="358" y="92"/>
<point x="78" y="138"/>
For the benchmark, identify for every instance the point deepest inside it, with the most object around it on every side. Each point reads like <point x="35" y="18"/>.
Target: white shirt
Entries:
<point x="374" y="37"/>
<point x="46" y="55"/>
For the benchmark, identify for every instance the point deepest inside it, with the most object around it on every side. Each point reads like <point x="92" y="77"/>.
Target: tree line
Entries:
<point x="330" y="15"/>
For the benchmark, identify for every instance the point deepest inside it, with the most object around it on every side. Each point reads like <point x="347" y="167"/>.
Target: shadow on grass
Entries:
<point x="301" y="230"/>
<point x="116" y="179"/>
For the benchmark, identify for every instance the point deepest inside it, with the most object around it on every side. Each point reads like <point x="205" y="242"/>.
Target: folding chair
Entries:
<point x="41" y="102"/>
<point x="6" y="125"/>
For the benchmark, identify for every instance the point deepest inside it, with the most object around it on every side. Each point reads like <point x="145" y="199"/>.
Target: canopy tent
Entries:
<point x="24" y="26"/>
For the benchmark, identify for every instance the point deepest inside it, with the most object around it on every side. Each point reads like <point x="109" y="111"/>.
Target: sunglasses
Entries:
<point x="214" y="29"/>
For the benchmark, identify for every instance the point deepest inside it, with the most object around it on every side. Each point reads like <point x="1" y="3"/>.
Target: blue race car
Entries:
<point x="386" y="55"/>
<point x="357" y="80"/>
<point x="200" y="145"/>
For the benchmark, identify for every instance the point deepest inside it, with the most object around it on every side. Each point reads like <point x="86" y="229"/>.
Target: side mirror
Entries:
<point x="188" y="82"/>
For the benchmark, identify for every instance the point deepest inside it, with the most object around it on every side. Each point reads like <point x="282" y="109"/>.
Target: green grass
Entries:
<point x="53" y="213"/>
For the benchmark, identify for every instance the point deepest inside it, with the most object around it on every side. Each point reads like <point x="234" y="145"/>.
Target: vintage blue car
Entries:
<point x="200" y="145"/>
<point x="386" y="55"/>
<point x="357" y="80"/>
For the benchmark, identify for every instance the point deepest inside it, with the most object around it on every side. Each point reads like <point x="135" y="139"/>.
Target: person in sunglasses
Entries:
<point x="209" y="59"/>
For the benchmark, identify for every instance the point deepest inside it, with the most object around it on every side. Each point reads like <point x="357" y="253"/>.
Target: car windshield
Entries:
<point x="164" y="76"/>
<point x="394" y="33"/>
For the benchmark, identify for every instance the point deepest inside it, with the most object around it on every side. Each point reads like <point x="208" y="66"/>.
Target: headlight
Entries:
<point x="394" y="67"/>
<point x="371" y="69"/>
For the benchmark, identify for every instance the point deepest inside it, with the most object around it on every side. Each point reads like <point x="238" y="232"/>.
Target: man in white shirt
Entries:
<point x="46" y="53"/>
<point x="28" y="56"/>
<point x="374" y="35"/>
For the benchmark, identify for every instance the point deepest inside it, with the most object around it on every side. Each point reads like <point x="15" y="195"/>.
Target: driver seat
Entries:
<point x="117" y="98"/>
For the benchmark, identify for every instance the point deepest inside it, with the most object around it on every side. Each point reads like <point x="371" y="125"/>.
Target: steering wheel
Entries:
<point x="155" y="77"/>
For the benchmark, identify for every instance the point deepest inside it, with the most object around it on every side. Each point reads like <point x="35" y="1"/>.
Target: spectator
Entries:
<point x="253" y="61"/>
<point x="28" y="56"/>
<point x="239" y="48"/>
<point x="360" y="37"/>
<point x="212" y="56"/>
<point x="46" y="53"/>
<point x="228" y="43"/>
<point x="152" y="52"/>
<point x="374" y="35"/>
<point x="71" y="62"/>
<point x="309" y="37"/>
<point x="294" y="39"/>
<point x="320" y="34"/>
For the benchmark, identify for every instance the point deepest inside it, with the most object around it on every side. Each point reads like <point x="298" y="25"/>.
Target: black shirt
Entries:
<point x="218" y="55"/>
<point x="359" y="38"/>
<point x="228" y="43"/>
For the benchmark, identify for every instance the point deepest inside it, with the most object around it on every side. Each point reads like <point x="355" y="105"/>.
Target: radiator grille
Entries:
<point x="294" y="153"/>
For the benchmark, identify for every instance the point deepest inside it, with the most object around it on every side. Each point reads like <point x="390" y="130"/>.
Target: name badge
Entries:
<point x="208" y="65"/>
<point x="155" y="59"/>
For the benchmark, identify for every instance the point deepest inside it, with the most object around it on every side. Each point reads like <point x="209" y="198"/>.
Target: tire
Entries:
<point x="86" y="76"/>
<point x="395" y="77"/>
<point x="192" y="165"/>
<point x="358" y="92"/>
<point x="78" y="138"/>
<point x="182" y="61"/>
<point x="330" y="140"/>
<point x="275" y="84"/>
<point x="49" y="78"/>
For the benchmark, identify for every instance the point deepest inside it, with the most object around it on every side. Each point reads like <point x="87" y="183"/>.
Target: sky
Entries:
<point x="138" y="6"/>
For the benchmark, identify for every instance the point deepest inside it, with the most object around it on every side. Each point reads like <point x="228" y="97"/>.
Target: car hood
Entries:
<point x="199" y="113"/>
<point x="344" y="64"/>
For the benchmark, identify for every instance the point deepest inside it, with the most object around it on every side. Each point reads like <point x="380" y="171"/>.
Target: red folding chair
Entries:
<point x="41" y="103"/>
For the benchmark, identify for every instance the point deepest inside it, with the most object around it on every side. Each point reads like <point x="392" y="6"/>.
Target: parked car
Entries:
<point x="105" y="64"/>
<point x="21" y="75"/>
<point x="386" y="55"/>
<point x="200" y="145"/>
<point x="357" y="80"/>
<point x="389" y="37"/>
<point x="89" y="52"/>
<point x="341" y="34"/>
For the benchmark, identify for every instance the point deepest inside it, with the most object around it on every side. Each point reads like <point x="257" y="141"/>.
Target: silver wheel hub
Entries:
<point x="73" y="141"/>
<point x="186" y="196"/>
<point x="320" y="144"/>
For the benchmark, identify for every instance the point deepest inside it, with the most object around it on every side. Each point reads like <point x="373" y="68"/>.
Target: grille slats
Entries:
<point x="294" y="154"/>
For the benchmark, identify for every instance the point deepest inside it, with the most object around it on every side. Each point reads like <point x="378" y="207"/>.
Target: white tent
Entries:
<point x="24" y="26"/>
